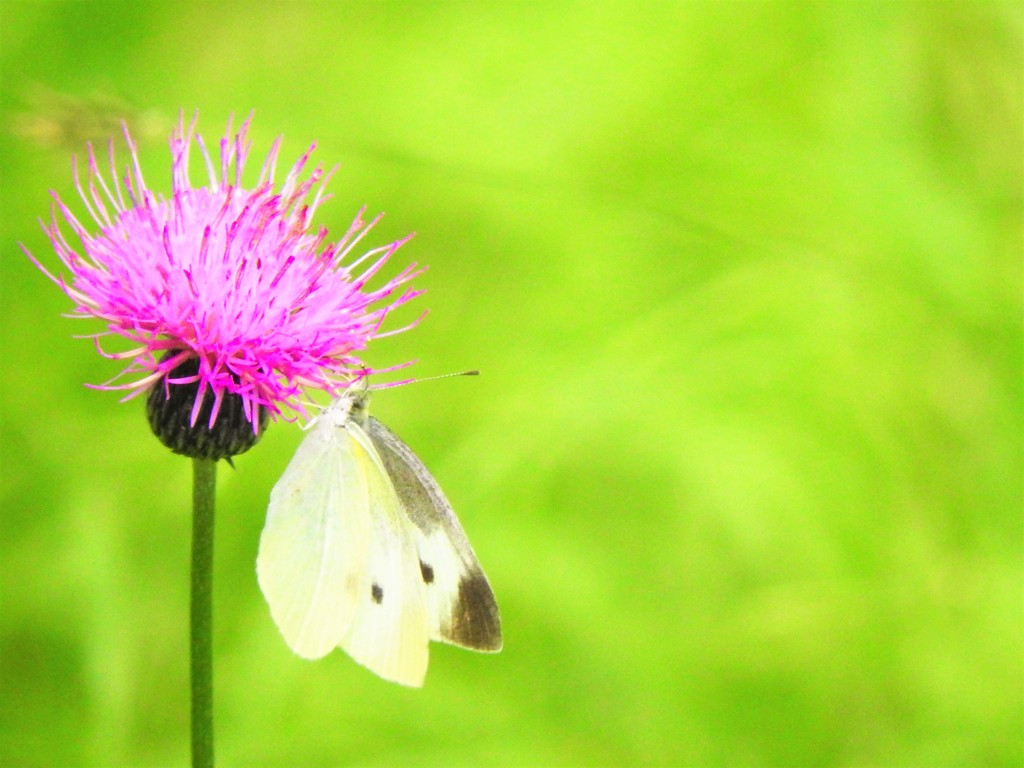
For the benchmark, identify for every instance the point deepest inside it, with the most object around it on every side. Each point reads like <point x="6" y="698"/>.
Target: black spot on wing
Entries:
<point x="427" y="573"/>
<point x="475" y="622"/>
<point x="377" y="593"/>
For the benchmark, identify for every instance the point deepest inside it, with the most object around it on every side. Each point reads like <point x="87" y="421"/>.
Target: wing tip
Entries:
<point x="475" y="621"/>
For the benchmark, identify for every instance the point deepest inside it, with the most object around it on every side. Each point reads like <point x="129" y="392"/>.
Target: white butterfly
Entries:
<point x="362" y="550"/>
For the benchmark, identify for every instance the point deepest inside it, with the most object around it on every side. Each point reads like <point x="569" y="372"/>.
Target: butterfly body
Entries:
<point x="361" y="550"/>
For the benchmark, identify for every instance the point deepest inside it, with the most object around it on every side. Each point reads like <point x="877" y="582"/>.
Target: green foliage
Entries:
<point x="745" y="461"/>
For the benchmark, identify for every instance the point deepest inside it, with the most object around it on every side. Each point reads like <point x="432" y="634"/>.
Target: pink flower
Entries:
<point x="223" y="287"/>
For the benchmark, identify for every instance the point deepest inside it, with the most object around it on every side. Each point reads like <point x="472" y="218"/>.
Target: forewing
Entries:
<point x="314" y="546"/>
<point x="390" y="631"/>
<point x="461" y="605"/>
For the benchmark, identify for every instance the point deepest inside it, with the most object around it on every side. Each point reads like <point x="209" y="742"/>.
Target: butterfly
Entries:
<point x="362" y="550"/>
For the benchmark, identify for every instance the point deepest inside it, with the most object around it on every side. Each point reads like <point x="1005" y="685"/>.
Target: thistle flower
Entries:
<point x="234" y="306"/>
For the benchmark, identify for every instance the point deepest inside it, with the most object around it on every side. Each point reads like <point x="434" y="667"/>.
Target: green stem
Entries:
<point x="204" y="485"/>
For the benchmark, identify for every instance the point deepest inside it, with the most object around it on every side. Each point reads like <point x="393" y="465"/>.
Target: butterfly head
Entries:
<point x="353" y="404"/>
<point x="358" y="396"/>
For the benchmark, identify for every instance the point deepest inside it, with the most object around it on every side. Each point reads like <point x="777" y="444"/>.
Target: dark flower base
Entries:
<point x="170" y="414"/>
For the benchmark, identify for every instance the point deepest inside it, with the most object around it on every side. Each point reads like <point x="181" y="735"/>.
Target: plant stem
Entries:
<point x="204" y="484"/>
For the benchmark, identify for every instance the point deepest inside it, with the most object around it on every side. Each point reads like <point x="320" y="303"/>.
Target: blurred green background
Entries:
<point x="744" y="465"/>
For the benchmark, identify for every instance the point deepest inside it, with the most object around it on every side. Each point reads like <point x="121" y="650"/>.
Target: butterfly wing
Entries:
<point x="460" y="603"/>
<point x="389" y="633"/>
<point x="315" y="544"/>
<point x="337" y="563"/>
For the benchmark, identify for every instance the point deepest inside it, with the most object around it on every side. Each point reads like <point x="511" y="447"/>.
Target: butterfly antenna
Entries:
<point x="449" y="375"/>
<point x="426" y="378"/>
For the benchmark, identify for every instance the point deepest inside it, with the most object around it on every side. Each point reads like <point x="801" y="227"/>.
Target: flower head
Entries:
<point x="222" y="288"/>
